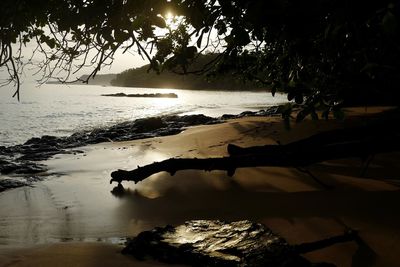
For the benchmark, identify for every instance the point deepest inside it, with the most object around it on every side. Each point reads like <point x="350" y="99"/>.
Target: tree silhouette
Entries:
<point x="322" y="53"/>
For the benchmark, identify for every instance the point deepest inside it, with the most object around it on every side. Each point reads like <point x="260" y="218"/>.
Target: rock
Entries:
<point x="271" y="111"/>
<point x="168" y="131"/>
<point x="7" y="167"/>
<point x="157" y="95"/>
<point x="20" y="167"/>
<point x="11" y="183"/>
<point x="149" y="124"/>
<point x="247" y="113"/>
<point x="197" y="119"/>
<point x="37" y="155"/>
<point x="116" y="94"/>
<point x="28" y="167"/>
<point x="228" y="116"/>
<point x="216" y="243"/>
<point x="3" y="150"/>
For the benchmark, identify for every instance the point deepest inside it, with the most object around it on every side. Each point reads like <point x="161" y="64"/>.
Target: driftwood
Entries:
<point x="337" y="144"/>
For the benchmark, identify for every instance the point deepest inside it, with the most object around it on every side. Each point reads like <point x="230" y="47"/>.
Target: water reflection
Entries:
<point x="120" y="192"/>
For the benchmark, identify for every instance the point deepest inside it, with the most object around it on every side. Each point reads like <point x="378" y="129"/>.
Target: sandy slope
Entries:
<point x="79" y="206"/>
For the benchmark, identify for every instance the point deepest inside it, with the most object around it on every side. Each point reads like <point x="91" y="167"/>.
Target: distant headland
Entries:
<point x="144" y="77"/>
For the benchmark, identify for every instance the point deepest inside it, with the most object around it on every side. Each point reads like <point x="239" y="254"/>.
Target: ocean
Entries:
<point x="72" y="200"/>
<point x="61" y="110"/>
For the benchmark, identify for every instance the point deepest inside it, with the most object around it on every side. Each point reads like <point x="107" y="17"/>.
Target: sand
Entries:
<point x="75" y="205"/>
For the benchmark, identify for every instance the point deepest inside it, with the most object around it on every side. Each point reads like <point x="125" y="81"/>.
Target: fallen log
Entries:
<point x="290" y="155"/>
<point x="380" y="135"/>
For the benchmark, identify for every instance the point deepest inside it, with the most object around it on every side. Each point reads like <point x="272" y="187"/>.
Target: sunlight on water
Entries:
<point x="164" y="103"/>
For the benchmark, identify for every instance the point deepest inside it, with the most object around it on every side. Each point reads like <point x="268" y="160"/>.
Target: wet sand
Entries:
<point x="75" y="204"/>
<point x="72" y="254"/>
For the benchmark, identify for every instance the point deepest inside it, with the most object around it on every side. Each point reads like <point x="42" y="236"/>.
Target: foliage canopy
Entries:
<point x="321" y="52"/>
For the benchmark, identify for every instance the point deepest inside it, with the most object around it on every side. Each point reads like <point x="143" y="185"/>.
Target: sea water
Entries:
<point x="61" y="110"/>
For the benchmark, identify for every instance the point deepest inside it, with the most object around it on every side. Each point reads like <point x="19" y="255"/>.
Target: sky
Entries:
<point x="124" y="61"/>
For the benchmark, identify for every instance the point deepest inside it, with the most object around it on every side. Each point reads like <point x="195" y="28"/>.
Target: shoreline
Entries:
<point x="75" y="202"/>
<point x="21" y="163"/>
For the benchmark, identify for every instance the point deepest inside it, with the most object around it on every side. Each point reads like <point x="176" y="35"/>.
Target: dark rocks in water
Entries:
<point x="7" y="167"/>
<point x="157" y="95"/>
<point x="45" y="139"/>
<point x="11" y="183"/>
<point x="20" y="167"/>
<point x="116" y="94"/>
<point x="21" y="159"/>
<point x="175" y="121"/>
<point x="169" y="131"/>
<point x="271" y="111"/>
<point x="216" y="243"/>
<point x="228" y="116"/>
<point x="39" y="154"/>
<point x="197" y="119"/>
<point x="4" y="150"/>
<point x="149" y="124"/>
<point x="247" y="113"/>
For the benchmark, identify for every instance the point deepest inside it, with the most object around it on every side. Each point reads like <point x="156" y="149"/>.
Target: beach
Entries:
<point x="73" y="218"/>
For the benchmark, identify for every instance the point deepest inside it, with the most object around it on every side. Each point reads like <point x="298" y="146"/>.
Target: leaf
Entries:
<point x="229" y="39"/>
<point x="120" y="36"/>
<point x="137" y="23"/>
<point x="190" y="51"/>
<point x="221" y="27"/>
<point x="369" y="67"/>
<point x="389" y="23"/>
<point x="292" y="83"/>
<point x="338" y="114"/>
<point x="51" y="43"/>
<point x="159" y="22"/>
<point x="336" y="31"/>
<point x="275" y="87"/>
<point x="273" y="91"/>
<point x="291" y="96"/>
<point x="299" y="99"/>
<point x="241" y="37"/>
<point x="327" y="31"/>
